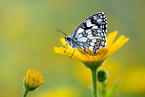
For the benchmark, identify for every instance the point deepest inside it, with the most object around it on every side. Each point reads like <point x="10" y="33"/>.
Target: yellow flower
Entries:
<point x="33" y="80"/>
<point x="90" y="59"/>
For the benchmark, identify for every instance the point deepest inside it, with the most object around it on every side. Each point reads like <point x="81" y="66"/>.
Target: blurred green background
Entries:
<point x="28" y="35"/>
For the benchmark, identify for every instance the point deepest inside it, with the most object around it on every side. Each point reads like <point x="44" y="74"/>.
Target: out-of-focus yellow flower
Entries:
<point x="134" y="79"/>
<point x="62" y="92"/>
<point x="90" y="59"/>
<point x="33" y="79"/>
<point x="81" y="72"/>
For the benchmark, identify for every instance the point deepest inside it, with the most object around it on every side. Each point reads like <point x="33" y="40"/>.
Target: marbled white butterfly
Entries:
<point x="91" y="33"/>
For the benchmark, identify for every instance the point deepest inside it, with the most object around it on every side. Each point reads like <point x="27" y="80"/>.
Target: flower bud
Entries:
<point x="33" y="80"/>
<point x="102" y="75"/>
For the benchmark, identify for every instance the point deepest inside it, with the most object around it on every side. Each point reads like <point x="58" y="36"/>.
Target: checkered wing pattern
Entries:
<point x="91" y="33"/>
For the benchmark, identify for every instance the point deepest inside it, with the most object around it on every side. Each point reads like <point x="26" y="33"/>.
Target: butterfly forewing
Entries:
<point x="91" y="33"/>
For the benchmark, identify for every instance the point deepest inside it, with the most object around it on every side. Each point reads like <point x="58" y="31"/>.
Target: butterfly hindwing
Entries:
<point x="91" y="33"/>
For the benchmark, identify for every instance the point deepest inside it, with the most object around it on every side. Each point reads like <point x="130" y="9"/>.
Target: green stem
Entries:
<point x="25" y="92"/>
<point x="94" y="77"/>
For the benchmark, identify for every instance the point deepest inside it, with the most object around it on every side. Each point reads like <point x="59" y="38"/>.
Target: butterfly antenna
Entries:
<point x="61" y="32"/>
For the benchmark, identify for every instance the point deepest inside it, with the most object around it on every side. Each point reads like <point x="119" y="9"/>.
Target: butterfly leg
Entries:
<point x="66" y="46"/>
<point x="72" y="53"/>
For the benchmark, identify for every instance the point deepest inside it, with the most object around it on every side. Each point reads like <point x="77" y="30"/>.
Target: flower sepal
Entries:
<point x="28" y="88"/>
<point x="93" y="66"/>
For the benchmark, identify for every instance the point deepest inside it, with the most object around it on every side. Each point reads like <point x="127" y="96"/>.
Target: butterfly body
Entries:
<point x="91" y="33"/>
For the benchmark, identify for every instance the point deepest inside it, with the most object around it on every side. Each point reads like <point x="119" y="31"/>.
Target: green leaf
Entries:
<point x="99" y="91"/>
<point x="110" y="91"/>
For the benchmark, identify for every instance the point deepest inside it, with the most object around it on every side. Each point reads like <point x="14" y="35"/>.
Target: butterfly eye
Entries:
<point x="68" y="39"/>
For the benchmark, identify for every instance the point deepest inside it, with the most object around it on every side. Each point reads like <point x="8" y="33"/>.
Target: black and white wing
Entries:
<point x="91" y="33"/>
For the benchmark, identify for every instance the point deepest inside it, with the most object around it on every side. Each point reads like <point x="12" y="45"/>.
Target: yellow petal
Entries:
<point x="119" y="39"/>
<point x="63" y="41"/>
<point x="111" y="37"/>
<point x="118" y="46"/>
<point x="90" y="52"/>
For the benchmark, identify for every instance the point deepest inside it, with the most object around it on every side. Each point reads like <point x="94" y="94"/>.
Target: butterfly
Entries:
<point x="91" y="33"/>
